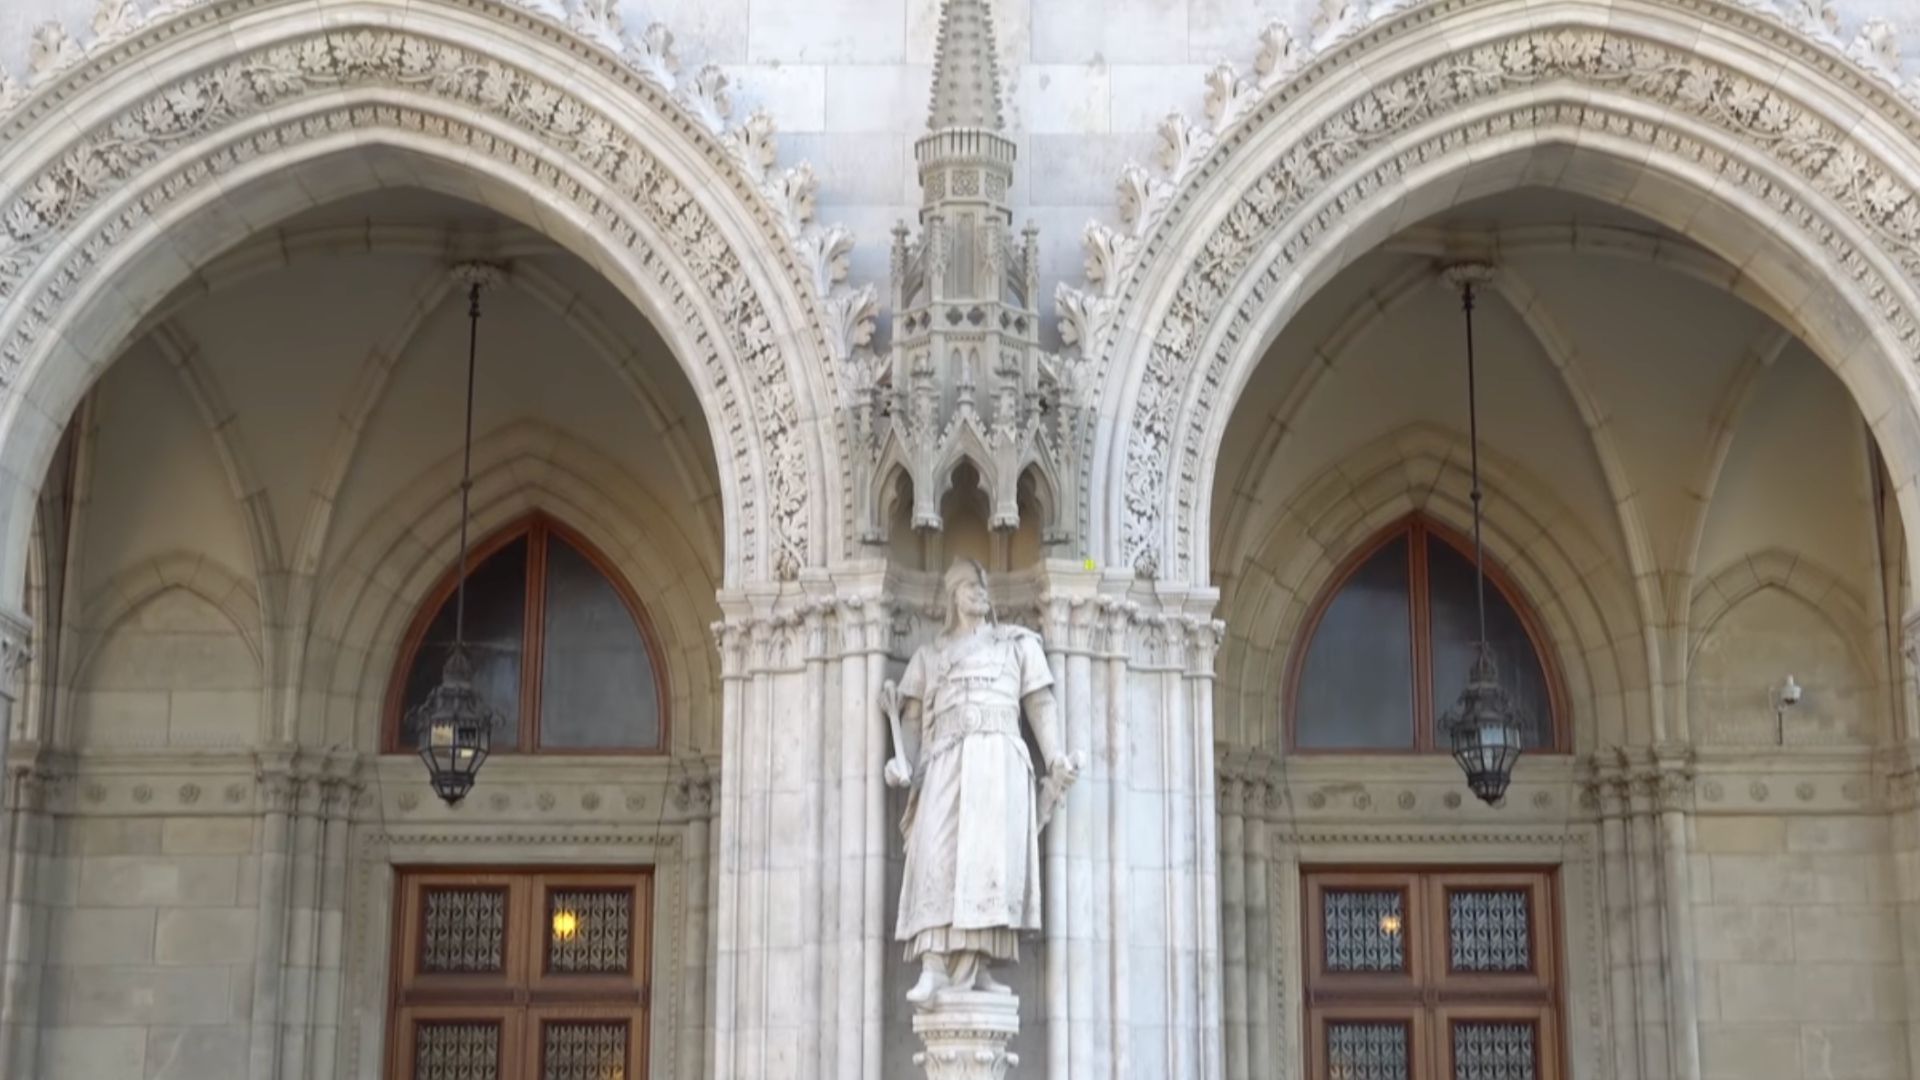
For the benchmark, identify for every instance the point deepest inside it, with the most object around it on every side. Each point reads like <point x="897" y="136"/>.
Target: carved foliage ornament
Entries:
<point x="1826" y="158"/>
<point x="37" y="217"/>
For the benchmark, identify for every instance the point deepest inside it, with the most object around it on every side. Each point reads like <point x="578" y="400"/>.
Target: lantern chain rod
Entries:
<point x="466" y="466"/>
<point x="1473" y="443"/>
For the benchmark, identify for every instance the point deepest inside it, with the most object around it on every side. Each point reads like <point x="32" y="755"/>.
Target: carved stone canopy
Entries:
<point x="967" y="382"/>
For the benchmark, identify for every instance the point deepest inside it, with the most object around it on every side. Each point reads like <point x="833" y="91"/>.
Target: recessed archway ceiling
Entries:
<point x="351" y="307"/>
<point x="1621" y="359"/>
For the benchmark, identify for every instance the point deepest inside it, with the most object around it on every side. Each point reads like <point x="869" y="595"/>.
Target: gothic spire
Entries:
<point x="966" y="80"/>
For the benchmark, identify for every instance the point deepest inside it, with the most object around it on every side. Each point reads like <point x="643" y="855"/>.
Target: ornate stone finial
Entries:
<point x="967" y="381"/>
<point x="1461" y="274"/>
<point x="966" y="79"/>
<point x="484" y="274"/>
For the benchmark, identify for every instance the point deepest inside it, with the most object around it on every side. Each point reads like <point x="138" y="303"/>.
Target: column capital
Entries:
<point x="36" y="778"/>
<point x="1910" y="636"/>
<point x="16" y="650"/>
<point x="966" y="1036"/>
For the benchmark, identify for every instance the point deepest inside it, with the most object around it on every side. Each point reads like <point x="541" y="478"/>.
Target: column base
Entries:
<point x="966" y="1035"/>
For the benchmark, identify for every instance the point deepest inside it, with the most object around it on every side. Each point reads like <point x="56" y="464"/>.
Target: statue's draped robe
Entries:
<point x="972" y="878"/>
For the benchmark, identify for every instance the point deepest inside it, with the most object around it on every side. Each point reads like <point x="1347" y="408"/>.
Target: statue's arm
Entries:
<point x="1043" y="715"/>
<point x="910" y="716"/>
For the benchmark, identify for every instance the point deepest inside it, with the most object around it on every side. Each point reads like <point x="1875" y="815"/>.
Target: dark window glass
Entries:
<point x="1356" y="684"/>
<point x="496" y="629"/>
<point x="1455" y="621"/>
<point x="597" y="683"/>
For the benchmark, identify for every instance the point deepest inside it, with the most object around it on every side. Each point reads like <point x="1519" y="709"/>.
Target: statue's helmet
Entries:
<point x="962" y="572"/>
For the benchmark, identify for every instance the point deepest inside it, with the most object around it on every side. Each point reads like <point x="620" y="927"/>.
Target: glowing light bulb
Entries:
<point x="1390" y="924"/>
<point x="565" y="925"/>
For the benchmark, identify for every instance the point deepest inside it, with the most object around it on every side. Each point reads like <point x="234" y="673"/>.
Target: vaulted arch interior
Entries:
<point x="1642" y="426"/>
<point x="307" y="389"/>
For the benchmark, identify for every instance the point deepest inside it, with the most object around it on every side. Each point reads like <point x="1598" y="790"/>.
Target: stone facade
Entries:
<point x="1167" y="415"/>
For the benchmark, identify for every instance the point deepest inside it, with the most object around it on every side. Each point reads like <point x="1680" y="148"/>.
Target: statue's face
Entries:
<point x="971" y="597"/>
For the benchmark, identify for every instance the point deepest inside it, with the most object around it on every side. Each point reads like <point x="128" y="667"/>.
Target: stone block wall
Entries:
<point x="149" y="948"/>
<point x="1800" y="962"/>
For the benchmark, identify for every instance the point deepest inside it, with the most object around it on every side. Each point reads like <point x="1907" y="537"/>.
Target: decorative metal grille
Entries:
<point x="456" y="1051"/>
<point x="580" y="1051"/>
<point x="466" y="931"/>
<point x="1493" y="1051"/>
<point x="1489" y="930"/>
<point x="1365" y="931"/>
<point x="589" y="931"/>
<point x="1367" y="1052"/>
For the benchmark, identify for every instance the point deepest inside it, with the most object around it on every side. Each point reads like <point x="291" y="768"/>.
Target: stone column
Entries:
<point x="308" y="827"/>
<point x="1901" y="764"/>
<point x="280" y="792"/>
<point x="342" y="791"/>
<point x="23" y="832"/>
<point x="16" y="654"/>
<point x="1673" y="792"/>
<point x="1235" y="929"/>
<point x="1259" y="796"/>
<point x="1609" y="787"/>
<point x="34" y="785"/>
<point x="693" y="796"/>
<point x="799" y="928"/>
<point x="1649" y="943"/>
<point x="1133" y="901"/>
<point x="1903" y="806"/>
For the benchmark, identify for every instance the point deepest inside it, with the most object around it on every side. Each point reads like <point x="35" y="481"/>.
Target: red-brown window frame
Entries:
<point x="1428" y="994"/>
<point x="536" y="527"/>
<point x="1417" y="528"/>
<point x="523" y="986"/>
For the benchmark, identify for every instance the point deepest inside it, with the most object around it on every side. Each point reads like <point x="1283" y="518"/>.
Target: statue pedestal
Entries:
<point x="966" y="1035"/>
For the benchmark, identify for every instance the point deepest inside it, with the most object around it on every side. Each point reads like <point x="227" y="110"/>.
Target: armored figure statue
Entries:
<point x="973" y="819"/>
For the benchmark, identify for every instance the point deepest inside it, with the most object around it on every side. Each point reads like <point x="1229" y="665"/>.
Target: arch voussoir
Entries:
<point x="1811" y="201"/>
<point x="106" y="221"/>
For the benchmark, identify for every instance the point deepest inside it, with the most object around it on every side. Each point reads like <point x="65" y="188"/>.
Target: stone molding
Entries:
<point x="1099" y="625"/>
<point x="766" y="420"/>
<point x="1717" y="594"/>
<point x="1163" y="452"/>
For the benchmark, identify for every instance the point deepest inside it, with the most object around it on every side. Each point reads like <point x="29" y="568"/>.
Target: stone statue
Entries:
<point x="973" y="820"/>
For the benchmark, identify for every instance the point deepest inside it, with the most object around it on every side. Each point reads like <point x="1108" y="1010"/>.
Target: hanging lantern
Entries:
<point x="1483" y="729"/>
<point x="454" y="724"/>
<point x="1482" y="726"/>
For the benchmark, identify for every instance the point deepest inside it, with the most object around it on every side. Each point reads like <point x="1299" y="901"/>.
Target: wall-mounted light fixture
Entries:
<point x="1785" y="696"/>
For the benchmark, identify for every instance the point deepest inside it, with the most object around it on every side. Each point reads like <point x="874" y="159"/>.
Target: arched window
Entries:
<point x="1385" y="652"/>
<point x="559" y="645"/>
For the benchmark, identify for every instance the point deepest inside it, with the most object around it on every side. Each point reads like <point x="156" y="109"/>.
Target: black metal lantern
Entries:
<point x="1482" y="726"/>
<point x="454" y="725"/>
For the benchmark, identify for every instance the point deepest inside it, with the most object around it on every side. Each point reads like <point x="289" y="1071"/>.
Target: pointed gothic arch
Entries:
<point x="1770" y="150"/>
<point x="391" y="570"/>
<point x="1582" y="601"/>
<point x="130" y="176"/>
